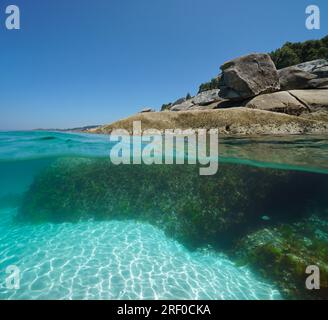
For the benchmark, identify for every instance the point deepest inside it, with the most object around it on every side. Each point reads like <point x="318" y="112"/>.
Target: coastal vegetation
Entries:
<point x="292" y="53"/>
<point x="213" y="84"/>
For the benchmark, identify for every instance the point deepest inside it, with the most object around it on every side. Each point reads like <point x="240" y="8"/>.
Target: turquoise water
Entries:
<point x="117" y="260"/>
<point x="122" y="259"/>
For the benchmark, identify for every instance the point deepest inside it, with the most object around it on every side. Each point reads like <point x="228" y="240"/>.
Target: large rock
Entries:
<point x="203" y="101"/>
<point x="293" y="102"/>
<point x="182" y="106"/>
<point x="308" y="75"/>
<point x="282" y="102"/>
<point x="314" y="100"/>
<point x="248" y="76"/>
<point x="207" y="97"/>
<point x="294" y="78"/>
<point x="318" y="67"/>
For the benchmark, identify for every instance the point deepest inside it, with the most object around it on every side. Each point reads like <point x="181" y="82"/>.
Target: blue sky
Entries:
<point x="87" y="62"/>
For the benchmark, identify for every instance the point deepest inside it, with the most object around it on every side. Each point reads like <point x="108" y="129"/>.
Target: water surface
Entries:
<point x="124" y="259"/>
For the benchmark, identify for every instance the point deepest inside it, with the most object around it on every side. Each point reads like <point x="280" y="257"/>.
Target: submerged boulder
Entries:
<point x="283" y="253"/>
<point x="196" y="210"/>
<point x="248" y="76"/>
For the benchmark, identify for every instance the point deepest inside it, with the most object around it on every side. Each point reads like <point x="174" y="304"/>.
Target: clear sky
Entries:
<point x="84" y="62"/>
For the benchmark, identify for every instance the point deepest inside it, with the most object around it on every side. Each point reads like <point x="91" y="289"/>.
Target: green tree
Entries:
<point x="213" y="84"/>
<point x="298" y="52"/>
<point x="285" y="57"/>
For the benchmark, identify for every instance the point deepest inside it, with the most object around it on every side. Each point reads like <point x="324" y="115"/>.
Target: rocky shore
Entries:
<point x="253" y="98"/>
<point x="232" y="121"/>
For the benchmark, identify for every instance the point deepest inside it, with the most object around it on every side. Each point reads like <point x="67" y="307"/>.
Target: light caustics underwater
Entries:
<point x="78" y="227"/>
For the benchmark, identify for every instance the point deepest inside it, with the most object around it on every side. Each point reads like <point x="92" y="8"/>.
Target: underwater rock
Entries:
<point x="193" y="209"/>
<point x="283" y="253"/>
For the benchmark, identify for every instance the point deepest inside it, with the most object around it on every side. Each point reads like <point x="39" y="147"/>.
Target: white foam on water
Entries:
<point x="116" y="260"/>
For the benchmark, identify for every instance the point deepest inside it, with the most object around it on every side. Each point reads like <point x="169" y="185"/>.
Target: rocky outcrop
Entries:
<point x="231" y="121"/>
<point x="308" y="75"/>
<point x="253" y="82"/>
<point x="248" y="76"/>
<point x="250" y="82"/>
<point x="317" y="67"/>
<point x="293" y="102"/>
<point x="282" y="102"/>
<point x="314" y="100"/>
<point x="207" y="97"/>
<point x="202" y="101"/>
<point x="294" y="78"/>
<point x="182" y="106"/>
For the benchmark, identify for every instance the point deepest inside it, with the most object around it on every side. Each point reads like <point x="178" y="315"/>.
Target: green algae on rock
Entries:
<point x="196" y="210"/>
<point x="283" y="253"/>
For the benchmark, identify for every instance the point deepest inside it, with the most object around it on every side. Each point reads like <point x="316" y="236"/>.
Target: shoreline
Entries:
<point x="237" y="121"/>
